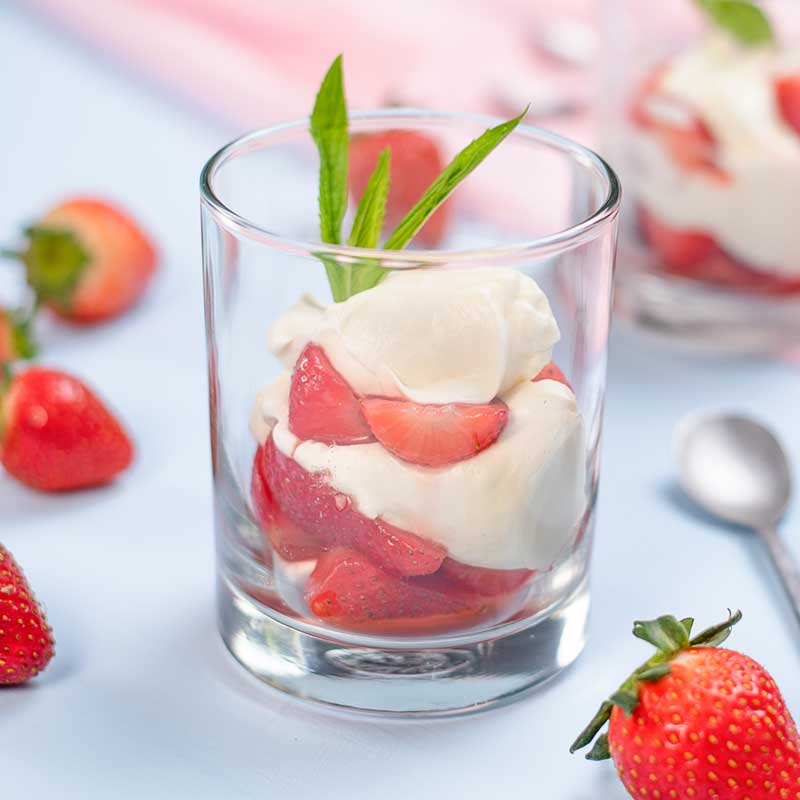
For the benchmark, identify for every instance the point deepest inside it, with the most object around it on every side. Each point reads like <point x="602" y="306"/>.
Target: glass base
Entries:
<point x="459" y="676"/>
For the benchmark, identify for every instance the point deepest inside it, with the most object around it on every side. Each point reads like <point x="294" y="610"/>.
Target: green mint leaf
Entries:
<point x="744" y="20"/>
<point x="455" y="172"/>
<point x="371" y="209"/>
<point x="600" y="751"/>
<point x="665" y="633"/>
<point x="329" y="131"/>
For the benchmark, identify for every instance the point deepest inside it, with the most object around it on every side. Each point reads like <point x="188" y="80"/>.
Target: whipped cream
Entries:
<point x="432" y="336"/>
<point x="514" y="505"/>
<point x="447" y="336"/>
<point x="732" y="89"/>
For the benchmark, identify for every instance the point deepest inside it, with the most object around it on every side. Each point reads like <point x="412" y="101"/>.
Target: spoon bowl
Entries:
<point x="736" y="469"/>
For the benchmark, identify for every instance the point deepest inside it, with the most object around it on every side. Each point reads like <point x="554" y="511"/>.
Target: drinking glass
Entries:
<point x="415" y="628"/>
<point x="709" y="250"/>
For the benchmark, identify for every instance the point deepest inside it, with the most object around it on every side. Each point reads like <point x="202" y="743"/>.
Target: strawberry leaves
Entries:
<point x="745" y="21"/>
<point x="329" y="130"/>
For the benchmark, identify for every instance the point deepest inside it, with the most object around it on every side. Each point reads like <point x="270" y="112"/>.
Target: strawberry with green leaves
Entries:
<point x="697" y="721"/>
<point x="87" y="260"/>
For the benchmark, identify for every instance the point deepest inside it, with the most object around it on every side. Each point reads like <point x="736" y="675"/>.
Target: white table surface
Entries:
<point x="142" y="700"/>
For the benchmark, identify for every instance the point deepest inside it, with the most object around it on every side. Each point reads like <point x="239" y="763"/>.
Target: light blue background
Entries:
<point x="142" y="700"/>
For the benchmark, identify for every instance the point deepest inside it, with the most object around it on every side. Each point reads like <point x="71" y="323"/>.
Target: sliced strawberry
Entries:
<point x="434" y="435"/>
<point x="486" y="582"/>
<point x="288" y="540"/>
<point x="682" y="133"/>
<point x="348" y="590"/>
<point x="57" y="435"/>
<point x="416" y="162"/>
<point x="309" y="501"/>
<point x="322" y="406"/>
<point x="695" y="255"/>
<point x="552" y="372"/>
<point x="88" y="260"/>
<point x="787" y="93"/>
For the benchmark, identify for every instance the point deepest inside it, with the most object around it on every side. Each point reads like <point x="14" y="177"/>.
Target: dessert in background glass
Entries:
<point x="703" y="123"/>
<point x="405" y="480"/>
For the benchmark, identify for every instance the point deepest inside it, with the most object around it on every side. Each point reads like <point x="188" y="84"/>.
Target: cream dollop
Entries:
<point x="732" y="89"/>
<point x="433" y="336"/>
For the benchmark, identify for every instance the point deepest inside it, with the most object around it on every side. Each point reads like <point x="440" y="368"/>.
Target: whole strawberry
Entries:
<point x="16" y="340"/>
<point x="87" y="260"/>
<point x="56" y="435"/>
<point x="26" y="641"/>
<point x="697" y="721"/>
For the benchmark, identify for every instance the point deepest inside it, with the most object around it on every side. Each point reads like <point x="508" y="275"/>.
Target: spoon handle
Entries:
<point x="785" y="565"/>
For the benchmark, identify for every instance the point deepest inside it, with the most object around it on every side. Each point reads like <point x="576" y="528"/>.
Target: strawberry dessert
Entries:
<point x="421" y="459"/>
<point x="716" y="135"/>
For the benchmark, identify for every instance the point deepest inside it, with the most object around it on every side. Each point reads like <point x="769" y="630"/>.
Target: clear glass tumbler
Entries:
<point x="405" y="481"/>
<point x="705" y="133"/>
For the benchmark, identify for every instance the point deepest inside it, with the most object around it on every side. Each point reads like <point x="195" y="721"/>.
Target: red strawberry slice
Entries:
<point x="88" y="260"/>
<point x="687" y="138"/>
<point x="290" y="541"/>
<point x="322" y="406"/>
<point x="787" y="93"/>
<point x="695" y="255"/>
<point x="416" y="162"/>
<point x="484" y="581"/>
<point x="26" y="640"/>
<point x="434" y="435"/>
<point x="552" y="372"/>
<point x="310" y="502"/>
<point x="57" y="435"/>
<point x="348" y="590"/>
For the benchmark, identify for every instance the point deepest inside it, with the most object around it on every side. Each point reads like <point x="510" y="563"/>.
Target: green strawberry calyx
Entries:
<point x="670" y="636"/>
<point x="54" y="260"/>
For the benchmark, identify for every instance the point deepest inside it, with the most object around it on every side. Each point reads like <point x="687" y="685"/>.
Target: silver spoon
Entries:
<point x="735" y="468"/>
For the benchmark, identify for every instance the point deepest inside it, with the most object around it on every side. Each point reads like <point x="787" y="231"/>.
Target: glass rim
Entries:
<point x="566" y="238"/>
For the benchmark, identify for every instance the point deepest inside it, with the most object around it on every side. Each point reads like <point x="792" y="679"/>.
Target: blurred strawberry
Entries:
<point x="56" y="435"/>
<point x="26" y="641"/>
<point x="787" y="92"/>
<point x="416" y="163"/>
<point x="16" y="339"/>
<point x="87" y="260"/>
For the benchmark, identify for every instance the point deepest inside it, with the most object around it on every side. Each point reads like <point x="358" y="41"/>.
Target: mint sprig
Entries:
<point x="744" y="20"/>
<point x="329" y="129"/>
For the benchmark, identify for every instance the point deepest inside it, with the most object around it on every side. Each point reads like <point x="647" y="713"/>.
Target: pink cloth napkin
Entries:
<point x="254" y="62"/>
